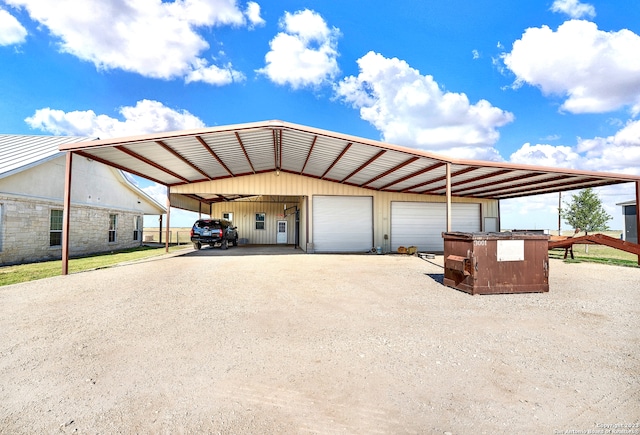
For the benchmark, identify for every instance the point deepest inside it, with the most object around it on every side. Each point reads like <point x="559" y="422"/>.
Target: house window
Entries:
<point x="260" y="218"/>
<point x="136" y="228"/>
<point x="55" y="228"/>
<point x="227" y="216"/>
<point x="113" y="222"/>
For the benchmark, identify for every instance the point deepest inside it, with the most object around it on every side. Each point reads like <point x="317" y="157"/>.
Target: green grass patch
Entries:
<point x="597" y="254"/>
<point x="29" y="272"/>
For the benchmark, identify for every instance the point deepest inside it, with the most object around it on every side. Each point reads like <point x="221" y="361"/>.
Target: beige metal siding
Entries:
<point x="300" y="186"/>
<point x="421" y="224"/>
<point x="244" y="218"/>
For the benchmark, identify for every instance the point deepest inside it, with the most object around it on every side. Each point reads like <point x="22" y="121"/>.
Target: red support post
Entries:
<point x="66" y="214"/>
<point x="638" y="215"/>
<point x="166" y="243"/>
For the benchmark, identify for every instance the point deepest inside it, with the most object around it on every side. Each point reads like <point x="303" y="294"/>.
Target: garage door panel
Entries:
<point x="342" y="223"/>
<point x="421" y="224"/>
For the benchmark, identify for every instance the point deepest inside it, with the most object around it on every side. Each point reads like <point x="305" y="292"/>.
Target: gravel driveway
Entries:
<point x="319" y="344"/>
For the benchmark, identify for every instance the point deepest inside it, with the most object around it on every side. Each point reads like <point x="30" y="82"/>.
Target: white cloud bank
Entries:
<point x="146" y="116"/>
<point x="619" y="153"/>
<point x="411" y="109"/>
<point x="596" y="71"/>
<point x="11" y="31"/>
<point x="305" y="53"/>
<point x="152" y="38"/>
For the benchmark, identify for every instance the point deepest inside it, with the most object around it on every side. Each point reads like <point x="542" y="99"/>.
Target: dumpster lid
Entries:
<point x="507" y="235"/>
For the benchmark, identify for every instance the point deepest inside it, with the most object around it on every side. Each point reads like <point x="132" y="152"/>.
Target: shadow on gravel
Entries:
<point x="244" y="250"/>
<point x="437" y="277"/>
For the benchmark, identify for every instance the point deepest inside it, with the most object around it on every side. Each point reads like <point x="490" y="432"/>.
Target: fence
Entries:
<point x="176" y="237"/>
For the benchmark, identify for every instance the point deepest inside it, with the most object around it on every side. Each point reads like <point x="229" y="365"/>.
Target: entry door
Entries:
<point x="281" y="234"/>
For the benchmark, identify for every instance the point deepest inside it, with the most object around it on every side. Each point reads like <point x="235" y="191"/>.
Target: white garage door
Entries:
<point x="421" y="224"/>
<point x="342" y="223"/>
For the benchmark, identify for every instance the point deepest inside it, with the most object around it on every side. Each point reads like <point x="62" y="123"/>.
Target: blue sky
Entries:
<point x="554" y="83"/>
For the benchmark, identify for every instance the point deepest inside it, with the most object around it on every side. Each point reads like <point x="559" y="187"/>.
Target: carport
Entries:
<point x="206" y="167"/>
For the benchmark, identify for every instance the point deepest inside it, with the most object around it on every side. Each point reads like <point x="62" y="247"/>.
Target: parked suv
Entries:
<point x="213" y="232"/>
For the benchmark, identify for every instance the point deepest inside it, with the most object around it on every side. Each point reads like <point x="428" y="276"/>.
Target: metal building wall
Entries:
<point x="286" y="184"/>
<point x="244" y="218"/>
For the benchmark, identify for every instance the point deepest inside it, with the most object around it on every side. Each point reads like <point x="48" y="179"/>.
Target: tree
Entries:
<point x="585" y="212"/>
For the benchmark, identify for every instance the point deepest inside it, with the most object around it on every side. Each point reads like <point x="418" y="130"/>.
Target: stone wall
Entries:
<point x="25" y="224"/>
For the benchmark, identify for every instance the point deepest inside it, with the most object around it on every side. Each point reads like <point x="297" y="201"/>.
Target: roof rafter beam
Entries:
<point x="507" y="180"/>
<point x="390" y="171"/>
<point x="470" y="180"/>
<point x="344" y="151"/>
<point x="150" y="163"/>
<point x="555" y="189"/>
<point x="122" y="168"/>
<point x="277" y="147"/>
<point x="414" y="174"/>
<point x="516" y="187"/>
<point x="436" y="180"/>
<point x="244" y="150"/>
<point x="313" y="143"/>
<point x="481" y="177"/>
<point x="179" y="156"/>
<point x="364" y="165"/>
<point x="213" y="154"/>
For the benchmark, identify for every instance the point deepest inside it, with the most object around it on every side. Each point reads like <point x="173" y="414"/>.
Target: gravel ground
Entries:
<point x="318" y="344"/>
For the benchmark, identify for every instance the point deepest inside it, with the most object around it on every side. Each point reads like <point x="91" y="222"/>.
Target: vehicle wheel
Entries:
<point x="197" y="246"/>
<point x="224" y="245"/>
<point x="235" y="242"/>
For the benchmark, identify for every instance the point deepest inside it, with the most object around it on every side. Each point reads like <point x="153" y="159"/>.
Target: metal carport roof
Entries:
<point x="193" y="156"/>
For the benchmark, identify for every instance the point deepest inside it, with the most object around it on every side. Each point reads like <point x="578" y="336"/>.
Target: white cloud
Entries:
<point x="410" y="109"/>
<point x="531" y="213"/>
<point x="304" y="53"/>
<point x="253" y="15"/>
<point x="573" y="8"/>
<point x="146" y="116"/>
<point x="213" y="75"/>
<point x="546" y="155"/>
<point x="11" y="31"/>
<point x="619" y="153"/>
<point x="152" y="38"/>
<point x="596" y="71"/>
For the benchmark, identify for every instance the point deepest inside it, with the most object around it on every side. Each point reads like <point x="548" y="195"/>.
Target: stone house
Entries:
<point x="107" y="209"/>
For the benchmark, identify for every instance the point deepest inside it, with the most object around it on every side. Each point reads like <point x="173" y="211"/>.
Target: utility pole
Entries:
<point x="559" y="213"/>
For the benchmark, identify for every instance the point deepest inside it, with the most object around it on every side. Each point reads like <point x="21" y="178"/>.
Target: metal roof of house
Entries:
<point x="192" y="156"/>
<point x="625" y="203"/>
<point x="20" y="152"/>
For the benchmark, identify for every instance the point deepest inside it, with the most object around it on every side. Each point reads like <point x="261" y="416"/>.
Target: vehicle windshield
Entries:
<point x="209" y="224"/>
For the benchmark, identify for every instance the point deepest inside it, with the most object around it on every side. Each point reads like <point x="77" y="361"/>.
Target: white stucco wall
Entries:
<point x="92" y="184"/>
